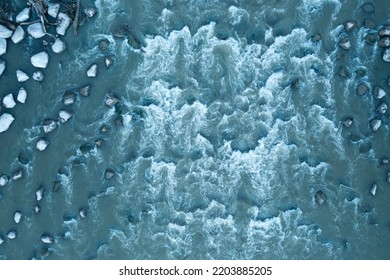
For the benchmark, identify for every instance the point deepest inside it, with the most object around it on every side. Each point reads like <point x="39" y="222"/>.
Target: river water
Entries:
<point x="229" y="121"/>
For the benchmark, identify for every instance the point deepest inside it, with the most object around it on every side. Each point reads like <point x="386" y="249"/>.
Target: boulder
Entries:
<point x="23" y="15"/>
<point x="386" y="55"/>
<point x="345" y="44"/>
<point x="373" y="189"/>
<point x="108" y="61"/>
<point x="53" y="9"/>
<point x="84" y="91"/>
<point x="99" y="142"/>
<point x="47" y="239"/>
<point x="379" y="92"/>
<point x="368" y="7"/>
<point x="37" y="208"/>
<point x="69" y="98"/>
<point x="49" y="125"/>
<point x="343" y="72"/>
<point x="3" y="180"/>
<point x="375" y="124"/>
<point x="362" y="89"/>
<point x="24" y="157"/>
<point x="104" y="44"/>
<point x="18" y="174"/>
<point x="349" y="25"/>
<point x="21" y="76"/>
<point x="371" y="38"/>
<point x="1" y="239"/>
<point x="8" y="101"/>
<point x="92" y="71"/>
<point x="2" y="67"/>
<point x="382" y="108"/>
<point x="18" y="35"/>
<point x="38" y="76"/>
<point x="3" y="46"/>
<point x="5" y="121"/>
<point x="40" y="60"/>
<point x="11" y="234"/>
<point x="17" y="217"/>
<point x="42" y="144"/>
<point x="5" y="33"/>
<point x="64" y="115"/>
<point x="58" y="46"/>
<point x="320" y="197"/>
<point x="384" y="42"/>
<point x="111" y="99"/>
<point x="39" y="194"/>
<point x="83" y="213"/>
<point x="109" y="173"/>
<point x="90" y="11"/>
<point x="36" y="30"/>
<point x="63" y="23"/>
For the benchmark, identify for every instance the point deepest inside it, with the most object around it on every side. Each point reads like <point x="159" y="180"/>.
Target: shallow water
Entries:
<point x="230" y="120"/>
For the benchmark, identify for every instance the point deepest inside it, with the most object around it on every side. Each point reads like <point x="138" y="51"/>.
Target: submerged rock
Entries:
<point x="17" y="217"/>
<point x="58" y="46"/>
<point x="1" y="239"/>
<point x="316" y="38"/>
<point x="63" y="23"/>
<point x="3" y="180"/>
<point x="109" y="173"/>
<point x="23" y="15"/>
<point x="21" y="76"/>
<point x="18" y="174"/>
<point x="2" y="67"/>
<point x="104" y="44"/>
<point x="18" y="35"/>
<point x="386" y="55"/>
<point x="379" y="92"/>
<point x="349" y="25"/>
<point x="3" y="46"/>
<point x="9" y="101"/>
<point x="384" y="30"/>
<point x="373" y="189"/>
<point x="53" y="9"/>
<point x="38" y="76"/>
<point x="92" y="71"/>
<point x="24" y="157"/>
<point x="64" y="115"/>
<point x="69" y="98"/>
<point x="368" y="7"/>
<point x="99" y="142"/>
<point x="47" y="239"/>
<point x="382" y="108"/>
<point x="5" y="121"/>
<point x="320" y="197"/>
<point x="40" y="60"/>
<point x="5" y="33"/>
<point x="36" y="30"/>
<point x="42" y="144"/>
<point x="369" y="23"/>
<point x="345" y="44"/>
<point x="56" y="186"/>
<point x="370" y="38"/>
<point x="49" y="125"/>
<point x="375" y="124"/>
<point x="84" y="91"/>
<point x="343" y="72"/>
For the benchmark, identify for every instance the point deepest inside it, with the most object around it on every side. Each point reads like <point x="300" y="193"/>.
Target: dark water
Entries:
<point x="229" y="121"/>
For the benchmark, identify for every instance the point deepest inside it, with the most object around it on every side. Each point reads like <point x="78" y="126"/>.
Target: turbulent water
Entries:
<point x="229" y="120"/>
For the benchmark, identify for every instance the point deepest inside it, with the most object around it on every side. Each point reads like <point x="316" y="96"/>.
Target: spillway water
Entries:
<point x="229" y="120"/>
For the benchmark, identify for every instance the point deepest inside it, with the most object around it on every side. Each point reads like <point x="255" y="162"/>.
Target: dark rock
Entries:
<point x="24" y="157"/>
<point x="388" y="177"/>
<point x="362" y="89"/>
<point x="349" y="25"/>
<point x="86" y="147"/>
<point x="365" y="147"/>
<point x="384" y="42"/>
<point x="369" y="23"/>
<point x="343" y="72"/>
<point x="348" y="122"/>
<point x="360" y="72"/>
<point x="111" y="99"/>
<point x="320" y="197"/>
<point x="119" y="121"/>
<point x="109" y="173"/>
<point x="104" y="44"/>
<point x="316" y="37"/>
<point x="56" y="186"/>
<point x="121" y="31"/>
<point x="368" y="7"/>
<point x="388" y="81"/>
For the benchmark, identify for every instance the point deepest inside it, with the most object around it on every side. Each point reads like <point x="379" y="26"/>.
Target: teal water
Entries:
<point x="229" y="121"/>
